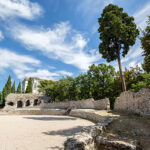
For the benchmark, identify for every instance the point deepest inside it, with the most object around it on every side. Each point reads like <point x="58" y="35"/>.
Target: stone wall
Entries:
<point x="14" y="101"/>
<point x="138" y="103"/>
<point x="91" y="115"/>
<point x="82" y="104"/>
<point x="35" y="111"/>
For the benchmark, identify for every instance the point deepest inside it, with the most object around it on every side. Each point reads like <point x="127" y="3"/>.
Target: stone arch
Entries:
<point x="10" y="103"/>
<point x="28" y="103"/>
<point x="35" y="103"/>
<point x="19" y="104"/>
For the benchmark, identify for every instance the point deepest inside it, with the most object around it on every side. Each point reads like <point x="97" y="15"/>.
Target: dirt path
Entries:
<point x="37" y="132"/>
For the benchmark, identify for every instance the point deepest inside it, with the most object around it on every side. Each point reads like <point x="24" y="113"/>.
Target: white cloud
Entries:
<point x="133" y="58"/>
<point x="41" y="73"/>
<point x="16" y="62"/>
<point x="135" y="53"/>
<point x="141" y="15"/>
<point x="65" y="73"/>
<point x="25" y="66"/>
<point x="19" y="8"/>
<point x="45" y="74"/>
<point x="61" y="42"/>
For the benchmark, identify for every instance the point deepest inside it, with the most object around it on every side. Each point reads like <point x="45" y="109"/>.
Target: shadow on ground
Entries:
<point x="66" y="132"/>
<point x="50" y="118"/>
<point x="56" y="148"/>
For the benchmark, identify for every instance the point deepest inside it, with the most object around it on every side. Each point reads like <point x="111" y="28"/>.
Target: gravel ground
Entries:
<point x="37" y="132"/>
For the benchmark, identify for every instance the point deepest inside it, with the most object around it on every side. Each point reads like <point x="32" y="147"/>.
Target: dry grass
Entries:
<point x="129" y="128"/>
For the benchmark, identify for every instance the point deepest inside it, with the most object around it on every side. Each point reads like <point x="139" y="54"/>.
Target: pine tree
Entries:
<point x="13" y="88"/>
<point x="19" y="88"/>
<point x="29" y="87"/>
<point x="117" y="33"/>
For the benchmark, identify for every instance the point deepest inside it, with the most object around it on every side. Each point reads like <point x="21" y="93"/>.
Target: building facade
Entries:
<point x="35" y="83"/>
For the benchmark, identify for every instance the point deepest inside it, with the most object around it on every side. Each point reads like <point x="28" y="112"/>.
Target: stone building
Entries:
<point x="14" y="101"/>
<point x="35" y="81"/>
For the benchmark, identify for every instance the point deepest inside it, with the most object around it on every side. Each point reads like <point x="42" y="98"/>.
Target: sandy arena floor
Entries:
<point x="37" y="132"/>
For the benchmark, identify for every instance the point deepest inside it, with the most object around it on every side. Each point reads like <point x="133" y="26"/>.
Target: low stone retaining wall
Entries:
<point x="87" y="114"/>
<point x="138" y="103"/>
<point x="36" y="111"/>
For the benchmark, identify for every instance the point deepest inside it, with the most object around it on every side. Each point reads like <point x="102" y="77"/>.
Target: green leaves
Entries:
<point x="116" y="29"/>
<point x="145" y="41"/>
<point x="29" y="87"/>
<point x="13" y="88"/>
<point x="19" y="88"/>
<point x="97" y="83"/>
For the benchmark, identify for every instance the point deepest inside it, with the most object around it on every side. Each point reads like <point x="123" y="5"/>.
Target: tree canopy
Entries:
<point x="145" y="42"/>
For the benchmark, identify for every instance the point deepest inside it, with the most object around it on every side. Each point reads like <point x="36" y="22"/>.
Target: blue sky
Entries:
<point x="54" y="38"/>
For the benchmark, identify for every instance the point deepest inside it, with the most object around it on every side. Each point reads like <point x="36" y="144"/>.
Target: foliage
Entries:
<point x="6" y="91"/>
<point x="29" y="86"/>
<point x="133" y="76"/>
<point x="19" y="88"/>
<point x="13" y="88"/>
<point x="141" y="84"/>
<point x="117" y="33"/>
<point x="97" y="83"/>
<point x="146" y="64"/>
<point x="145" y="42"/>
<point x="101" y="78"/>
<point x="8" y="85"/>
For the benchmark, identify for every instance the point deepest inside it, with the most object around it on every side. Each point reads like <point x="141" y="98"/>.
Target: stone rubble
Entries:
<point x="90" y="139"/>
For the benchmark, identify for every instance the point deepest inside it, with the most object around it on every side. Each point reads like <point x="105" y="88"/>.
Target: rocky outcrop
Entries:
<point x="137" y="103"/>
<point x="91" y="138"/>
<point x="103" y="143"/>
<point x="85" y="140"/>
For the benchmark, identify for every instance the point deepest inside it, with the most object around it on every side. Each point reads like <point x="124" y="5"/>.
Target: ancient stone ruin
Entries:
<point x="137" y="103"/>
<point x="14" y="101"/>
<point x="89" y="138"/>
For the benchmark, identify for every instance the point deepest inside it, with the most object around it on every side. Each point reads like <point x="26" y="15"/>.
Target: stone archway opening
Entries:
<point x="19" y="104"/>
<point x="35" y="102"/>
<point x="27" y="103"/>
<point x="10" y="103"/>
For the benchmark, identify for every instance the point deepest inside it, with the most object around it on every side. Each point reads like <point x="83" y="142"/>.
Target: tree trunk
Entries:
<point x="121" y="73"/>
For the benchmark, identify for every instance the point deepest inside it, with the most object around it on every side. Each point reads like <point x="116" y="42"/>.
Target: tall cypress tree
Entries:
<point x="4" y="94"/>
<point x="8" y="85"/>
<point x="29" y="87"/>
<point x="1" y="99"/>
<point x="13" y="88"/>
<point x="19" y="88"/>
